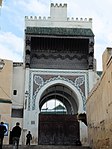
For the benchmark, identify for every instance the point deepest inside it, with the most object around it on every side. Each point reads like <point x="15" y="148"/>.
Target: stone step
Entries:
<point x="46" y="147"/>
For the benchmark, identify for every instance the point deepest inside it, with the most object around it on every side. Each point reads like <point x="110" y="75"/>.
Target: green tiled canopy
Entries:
<point x="5" y="100"/>
<point x="59" y="31"/>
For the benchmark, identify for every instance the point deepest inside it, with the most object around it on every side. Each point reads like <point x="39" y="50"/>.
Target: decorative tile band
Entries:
<point x="38" y="80"/>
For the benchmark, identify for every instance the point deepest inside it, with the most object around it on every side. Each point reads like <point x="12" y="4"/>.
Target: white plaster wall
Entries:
<point x="26" y="112"/>
<point x="31" y="116"/>
<point x="62" y="12"/>
<point x="93" y="78"/>
<point x="34" y="22"/>
<point x="18" y="100"/>
<point x="84" y="134"/>
<point x="18" y="84"/>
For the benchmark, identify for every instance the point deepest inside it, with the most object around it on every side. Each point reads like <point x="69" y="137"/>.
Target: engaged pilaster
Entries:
<point x="27" y="51"/>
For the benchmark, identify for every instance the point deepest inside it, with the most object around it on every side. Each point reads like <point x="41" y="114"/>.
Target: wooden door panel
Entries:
<point x="58" y="129"/>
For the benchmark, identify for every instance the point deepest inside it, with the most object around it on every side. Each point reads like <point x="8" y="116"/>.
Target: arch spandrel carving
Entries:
<point x="74" y="86"/>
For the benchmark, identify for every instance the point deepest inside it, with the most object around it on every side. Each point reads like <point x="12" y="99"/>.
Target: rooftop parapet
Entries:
<point x="58" y="5"/>
<point x="30" y="18"/>
<point x="58" y="12"/>
<point x="58" y="18"/>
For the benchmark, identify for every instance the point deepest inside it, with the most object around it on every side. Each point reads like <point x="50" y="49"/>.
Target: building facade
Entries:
<point x="59" y="64"/>
<point x="6" y="67"/>
<point x="99" y="107"/>
<point x="11" y="95"/>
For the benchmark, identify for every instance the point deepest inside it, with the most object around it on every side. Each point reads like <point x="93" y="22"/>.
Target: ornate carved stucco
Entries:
<point x="78" y="81"/>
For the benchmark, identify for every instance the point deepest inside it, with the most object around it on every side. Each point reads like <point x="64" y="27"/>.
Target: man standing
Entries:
<point x="2" y="132"/>
<point x="16" y="133"/>
<point x="29" y="138"/>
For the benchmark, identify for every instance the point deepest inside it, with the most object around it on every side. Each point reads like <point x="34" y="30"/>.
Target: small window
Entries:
<point x="32" y="122"/>
<point x="14" y="92"/>
<point x="17" y="113"/>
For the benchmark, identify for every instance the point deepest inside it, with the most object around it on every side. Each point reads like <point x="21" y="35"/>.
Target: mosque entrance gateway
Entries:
<point x="60" y="66"/>
<point x="58" y="125"/>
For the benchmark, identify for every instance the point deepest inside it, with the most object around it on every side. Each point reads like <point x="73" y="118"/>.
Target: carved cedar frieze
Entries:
<point x="91" y="54"/>
<point x="27" y="51"/>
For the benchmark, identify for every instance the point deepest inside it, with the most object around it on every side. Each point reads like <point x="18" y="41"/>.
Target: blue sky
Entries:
<point x="12" y="23"/>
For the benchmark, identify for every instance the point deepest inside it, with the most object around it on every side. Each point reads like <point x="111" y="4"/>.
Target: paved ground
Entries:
<point x="45" y="147"/>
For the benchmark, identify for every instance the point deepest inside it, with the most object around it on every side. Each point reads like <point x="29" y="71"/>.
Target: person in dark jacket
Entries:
<point x="28" y="138"/>
<point x="2" y="132"/>
<point x="16" y="133"/>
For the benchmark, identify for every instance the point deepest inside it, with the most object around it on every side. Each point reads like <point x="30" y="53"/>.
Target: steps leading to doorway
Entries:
<point x="46" y="147"/>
